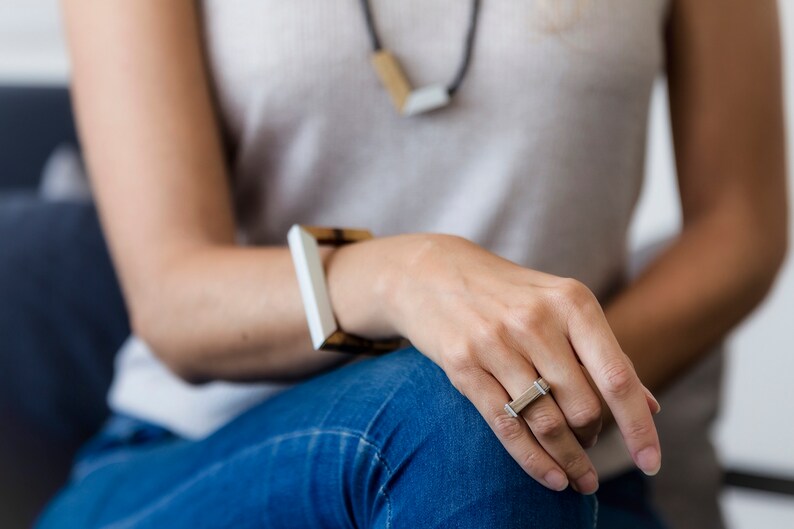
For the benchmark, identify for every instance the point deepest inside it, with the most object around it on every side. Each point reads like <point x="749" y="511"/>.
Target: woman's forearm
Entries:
<point x="149" y="129"/>
<point x="712" y="276"/>
<point x="235" y="313"/>
<point x="728" y="134"/>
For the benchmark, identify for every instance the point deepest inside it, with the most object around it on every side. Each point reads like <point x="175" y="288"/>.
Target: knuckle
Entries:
<point x="466" y="380"/>
<point x="533" y="462"/>
<point x="638" y="430"/>
<point x="530" y="319"/>
<point x="508" y="429"/>
<point x="619" y="379"/>
<point x="574" y="293"/>
<point x="459" y="361"/>
<point x="575" y="465"/>
<point x="548" y="425"/>
<point x="487" y="333"/>
<point x="586" y="415"/>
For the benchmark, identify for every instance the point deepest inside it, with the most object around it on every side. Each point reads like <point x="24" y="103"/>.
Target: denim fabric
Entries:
<point x="386" y="442"/>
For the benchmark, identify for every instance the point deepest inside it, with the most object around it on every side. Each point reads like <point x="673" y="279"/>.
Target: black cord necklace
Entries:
<point x="406" y="99"/>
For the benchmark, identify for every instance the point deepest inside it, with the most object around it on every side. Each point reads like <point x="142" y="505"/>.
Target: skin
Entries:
<point x="213" y="310"/>
<point x="726" y="109"/>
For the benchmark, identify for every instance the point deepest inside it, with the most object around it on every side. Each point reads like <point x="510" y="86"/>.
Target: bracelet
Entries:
<point x="304" y="244"/>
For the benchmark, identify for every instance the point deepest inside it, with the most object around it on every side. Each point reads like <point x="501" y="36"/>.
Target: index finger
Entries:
<point x="614" y="376"/>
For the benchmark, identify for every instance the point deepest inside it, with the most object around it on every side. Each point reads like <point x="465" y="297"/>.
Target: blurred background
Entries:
<point x="755" y="433"/>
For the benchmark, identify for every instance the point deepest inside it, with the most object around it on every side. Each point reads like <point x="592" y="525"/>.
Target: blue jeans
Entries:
<point x="382" y="443"/>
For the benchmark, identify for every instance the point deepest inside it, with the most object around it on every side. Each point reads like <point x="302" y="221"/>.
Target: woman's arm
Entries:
<point x="726" y="105"/>
<point x="208" y="308"/>
<point x="214" y="310"/>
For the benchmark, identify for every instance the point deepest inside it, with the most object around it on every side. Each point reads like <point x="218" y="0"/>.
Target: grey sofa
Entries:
<point x="56" y="353"/>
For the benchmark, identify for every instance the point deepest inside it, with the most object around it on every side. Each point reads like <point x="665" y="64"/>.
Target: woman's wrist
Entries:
<point x="368" y="281"/>
<point x="364" y="280"/>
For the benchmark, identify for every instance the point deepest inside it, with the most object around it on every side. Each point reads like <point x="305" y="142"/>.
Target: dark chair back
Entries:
<point x="62" y="317"/>
<point x="33" y="121"/>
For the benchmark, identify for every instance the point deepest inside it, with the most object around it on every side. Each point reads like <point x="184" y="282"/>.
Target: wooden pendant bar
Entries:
<point x="392" y="77"/>
<point x="406" y="100"/>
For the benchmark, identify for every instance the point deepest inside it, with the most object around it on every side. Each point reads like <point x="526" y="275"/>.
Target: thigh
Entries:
<point x="386" y="442"/>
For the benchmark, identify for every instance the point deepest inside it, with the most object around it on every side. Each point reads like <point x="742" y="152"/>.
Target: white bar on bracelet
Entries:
<point x="311" y="280"/>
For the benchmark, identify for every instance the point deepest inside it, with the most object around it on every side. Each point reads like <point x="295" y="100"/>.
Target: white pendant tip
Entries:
<point x="426" y="99"/>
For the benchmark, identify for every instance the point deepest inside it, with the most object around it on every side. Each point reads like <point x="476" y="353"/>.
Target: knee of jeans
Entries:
<point x="440" y="443"/>
<point x="425" y="411"/>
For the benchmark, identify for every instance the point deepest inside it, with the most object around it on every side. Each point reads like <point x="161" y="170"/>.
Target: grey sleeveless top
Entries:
<point x="538" y="159"/>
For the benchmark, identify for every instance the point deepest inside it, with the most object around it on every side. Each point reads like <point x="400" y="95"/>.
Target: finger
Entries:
<point x="552" y="355"/>
<point x="606" y="413"/>
<point x="616" y="380"/>
<point x="548" y="423"/>
<point x="489" y="397"/>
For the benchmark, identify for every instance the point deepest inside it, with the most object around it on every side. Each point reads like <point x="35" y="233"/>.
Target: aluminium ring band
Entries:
<point x="538" y="389"/>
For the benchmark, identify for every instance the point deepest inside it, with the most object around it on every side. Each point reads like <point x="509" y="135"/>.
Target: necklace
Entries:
<point x="407" y="100"/>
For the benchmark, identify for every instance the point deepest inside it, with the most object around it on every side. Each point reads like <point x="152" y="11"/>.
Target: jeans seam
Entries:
<point x="382" y="460"/>
<point x="595" y="512"/>
<point x="385" y="494"/>
<point x="152" y="507"/>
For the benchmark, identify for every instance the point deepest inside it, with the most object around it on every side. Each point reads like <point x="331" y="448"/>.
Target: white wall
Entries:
<point x="757" y="429"/>
<point x="31" y="43"/>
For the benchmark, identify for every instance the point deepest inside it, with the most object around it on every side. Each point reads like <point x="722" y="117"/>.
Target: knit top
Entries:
<point x="539" y="158"/>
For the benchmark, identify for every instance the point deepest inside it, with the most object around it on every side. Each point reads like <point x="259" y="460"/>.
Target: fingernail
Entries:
<point x="649" y="460"/>
<point x="590" y="443"/>
<point x="587" y="484"/>
<point x="657" y="407"/>
<point x="556" y="480"/>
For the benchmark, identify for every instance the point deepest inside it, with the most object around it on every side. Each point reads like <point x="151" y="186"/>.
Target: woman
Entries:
<point x="211" y="129"/>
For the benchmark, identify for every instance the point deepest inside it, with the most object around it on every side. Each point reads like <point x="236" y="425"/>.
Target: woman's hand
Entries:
<point x="495" y="327"/>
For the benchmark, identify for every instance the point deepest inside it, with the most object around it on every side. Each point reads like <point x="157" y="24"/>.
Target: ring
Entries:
<point x="538" y="388"/>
